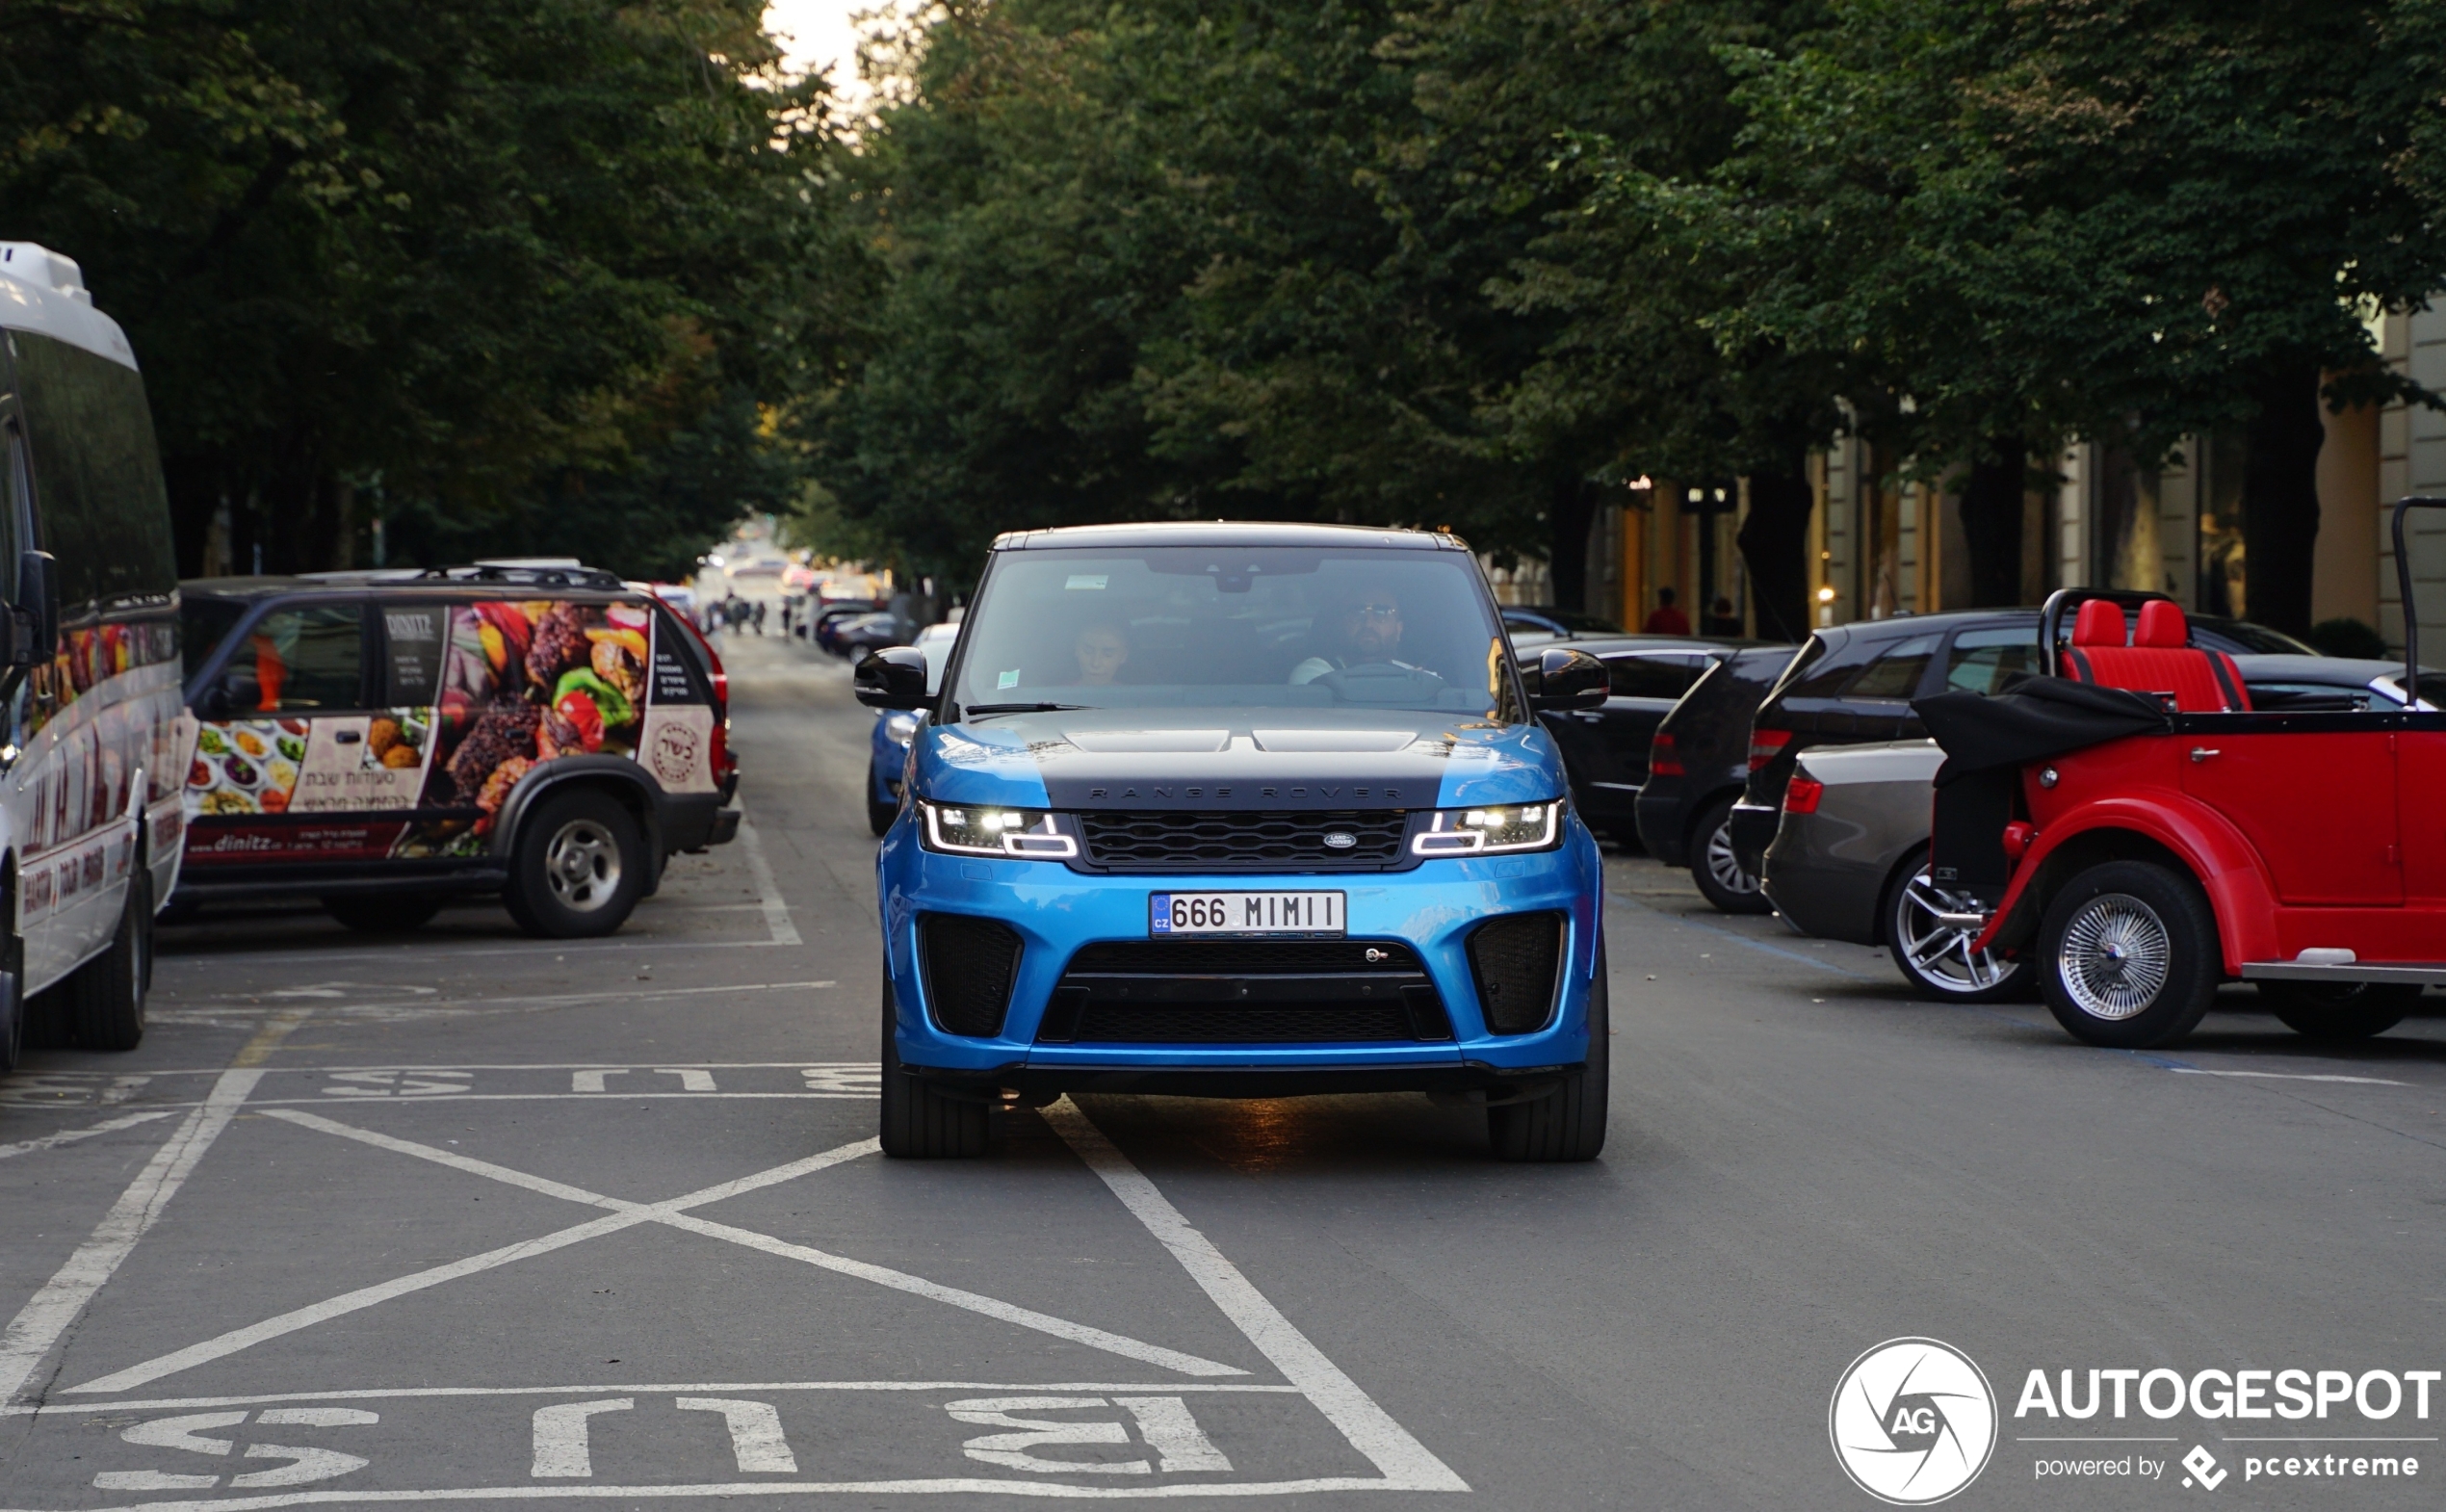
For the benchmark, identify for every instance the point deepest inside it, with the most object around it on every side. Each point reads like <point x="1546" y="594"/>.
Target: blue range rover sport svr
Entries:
<point x="1239" y="810"/>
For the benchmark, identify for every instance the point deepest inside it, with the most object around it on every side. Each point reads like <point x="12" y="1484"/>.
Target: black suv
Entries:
<point x="1605" y="748"/>
<point x="1853" y="684"/>
<point x="384" y="740"/>
<point x="1695" y="765"/>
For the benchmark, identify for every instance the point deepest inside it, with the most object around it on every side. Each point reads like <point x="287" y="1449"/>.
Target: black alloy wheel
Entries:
<point x="1717" y="868"/>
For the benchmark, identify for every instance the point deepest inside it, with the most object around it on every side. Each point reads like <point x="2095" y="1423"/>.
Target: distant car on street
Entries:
<point x="1536" y="624"/>
<point x="1695" y="765"/>
<point x="857" y="637"/>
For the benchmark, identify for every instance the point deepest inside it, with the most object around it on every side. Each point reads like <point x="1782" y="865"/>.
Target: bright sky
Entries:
<point x="816" y="35"/>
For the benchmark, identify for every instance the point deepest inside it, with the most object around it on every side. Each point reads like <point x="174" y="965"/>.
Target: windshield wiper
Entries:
<point x="1021" y="708"/>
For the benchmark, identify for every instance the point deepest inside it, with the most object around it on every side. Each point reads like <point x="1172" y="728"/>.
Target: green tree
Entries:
<point x="498" y="261"/>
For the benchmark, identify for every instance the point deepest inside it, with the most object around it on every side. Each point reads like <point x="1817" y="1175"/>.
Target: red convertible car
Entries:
<point x="2138" y="828"/>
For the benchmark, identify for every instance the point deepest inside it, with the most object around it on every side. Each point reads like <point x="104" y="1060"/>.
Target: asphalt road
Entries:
<point x="467" y="1217"/>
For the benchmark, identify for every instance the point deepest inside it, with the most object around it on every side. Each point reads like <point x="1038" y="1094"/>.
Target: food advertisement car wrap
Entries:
<point x="514" y="684"/>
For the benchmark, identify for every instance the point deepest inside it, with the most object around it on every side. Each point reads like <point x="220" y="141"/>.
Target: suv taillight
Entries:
<point x="1662" y="762"/>
<point x="1766" y="745"/>
<point x="720" y="764"/>
<point x="1800" y="795"/>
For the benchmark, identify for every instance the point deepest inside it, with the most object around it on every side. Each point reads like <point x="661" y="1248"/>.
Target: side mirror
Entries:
<point x="216" y="703"/>
<point x="34" y="628"/>
<point x="893" y="678"/>
<point x="1562" y="678"/>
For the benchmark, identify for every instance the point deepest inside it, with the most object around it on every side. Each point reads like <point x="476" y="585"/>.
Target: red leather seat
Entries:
<point x="2160" y="660"/>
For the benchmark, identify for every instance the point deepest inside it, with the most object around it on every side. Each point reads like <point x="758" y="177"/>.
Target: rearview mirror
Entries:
<point x="1559" y="677"/>
<point x="893" y="678"/>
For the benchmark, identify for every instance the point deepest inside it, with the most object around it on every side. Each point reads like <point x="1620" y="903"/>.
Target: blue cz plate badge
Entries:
<point x="1176" y="914"/>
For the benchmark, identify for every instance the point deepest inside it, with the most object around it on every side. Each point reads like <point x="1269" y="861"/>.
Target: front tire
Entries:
<point x="106" y="995"/>
<point x="1934" y="957"/>
<point x="12" y="1003"/>
<point x="2128" y="956"/>
<point x="879" y="816"/>
<point x="578" y="869"/>
<point x="1568" y="1123"/>
<point x="2340" y="1014"/>
<point x="917" y="1122"/>
<point x="1717" y="868"/>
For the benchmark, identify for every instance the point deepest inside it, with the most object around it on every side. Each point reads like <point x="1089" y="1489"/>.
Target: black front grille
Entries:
<point x="969" y="965"/>
<point x="1514" y="959"/>
<point x="1225" y="841"/>
<point x="1240" y="992"/>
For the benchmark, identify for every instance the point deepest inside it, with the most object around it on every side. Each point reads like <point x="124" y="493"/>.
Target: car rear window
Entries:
<point x="1985" y="660"/>
<point x="1897" y="670"/>
<point x="1654" y="676"/>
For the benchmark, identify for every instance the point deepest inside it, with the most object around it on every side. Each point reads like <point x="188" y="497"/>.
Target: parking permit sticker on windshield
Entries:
<point x="1087" y="580"/>
<point x="1009" y="679"/>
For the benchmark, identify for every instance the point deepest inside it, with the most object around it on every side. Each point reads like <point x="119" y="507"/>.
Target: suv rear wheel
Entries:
<point x="1718" y="870"/>
<point x="2358" y="1012"/>
<point x="2128" y="956"/>
<point x="917" y="1122"/>
<point x="1933" y="956"/>
<point x="578" y="868"/>
<point x="1568" y="1123"/>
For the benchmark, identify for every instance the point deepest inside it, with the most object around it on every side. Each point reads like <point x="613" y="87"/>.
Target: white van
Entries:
<point x="92" y="736"/>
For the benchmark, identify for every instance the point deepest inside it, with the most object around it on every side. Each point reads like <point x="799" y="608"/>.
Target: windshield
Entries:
<point x="1206" y="626"/>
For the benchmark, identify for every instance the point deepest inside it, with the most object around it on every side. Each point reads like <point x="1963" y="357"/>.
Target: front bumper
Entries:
<point x="1431" y="908"/>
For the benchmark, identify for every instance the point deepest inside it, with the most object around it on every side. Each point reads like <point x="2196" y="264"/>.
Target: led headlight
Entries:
<point x="969" y="830"/>
<point x="1477" y="832"/>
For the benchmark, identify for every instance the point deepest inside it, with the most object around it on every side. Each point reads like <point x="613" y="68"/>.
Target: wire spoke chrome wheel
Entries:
<point x="2115" y="957"/>
<point x="1940" y="953"/>
<point x="1724" y="866"/>
<point x="582" y="865"/>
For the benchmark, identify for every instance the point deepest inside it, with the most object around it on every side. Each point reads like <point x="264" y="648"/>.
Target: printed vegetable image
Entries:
<point x="210" y="743"/>
<point x="576" y="726"/>
<point x="613" y="704"/>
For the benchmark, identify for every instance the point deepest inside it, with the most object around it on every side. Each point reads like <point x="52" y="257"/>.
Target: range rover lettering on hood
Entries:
<point x="1141" y="759"/>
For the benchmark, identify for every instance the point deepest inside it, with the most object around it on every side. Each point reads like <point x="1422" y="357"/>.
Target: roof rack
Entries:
<point x="551" y="572"/>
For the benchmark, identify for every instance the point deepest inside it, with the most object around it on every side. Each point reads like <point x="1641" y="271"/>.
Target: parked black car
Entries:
<point x="1605" y="749"/>
<point x="1695" y="765"/>
<point x="826" y="621"/>
<point x="1853" y="684"/>
<point x="1532" y="624"/>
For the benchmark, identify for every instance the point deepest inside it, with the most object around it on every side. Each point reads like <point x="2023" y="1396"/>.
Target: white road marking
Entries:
<point x="2284" y="1076"/>
<point x="626" y="1214"/>
<point x="640" y="1389"/>
<point x="690" y="1079"/>
<point x="562" y="1446"/>
<point x="51" y="1141"/>
<point x="776" y="912"/>
<point x="945" y="1486"/>
<point x="629" y="1216"/>
<point x="1404" y="1461"/>
<point x="1170" y="1429"/>
<point x="591" y="1081"/>
<point x="39" y="1323"/>
<point x="1010" y="1450"/>
<point x="755" y="1434"/>
<point x="82" y="1080"/>
<point x="552" y="999"/>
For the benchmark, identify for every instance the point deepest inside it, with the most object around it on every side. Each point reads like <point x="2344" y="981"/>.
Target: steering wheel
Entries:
<point x="1380" y="682"/>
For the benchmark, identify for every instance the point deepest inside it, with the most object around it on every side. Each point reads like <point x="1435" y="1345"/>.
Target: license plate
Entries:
<point x="1244" y="913"/>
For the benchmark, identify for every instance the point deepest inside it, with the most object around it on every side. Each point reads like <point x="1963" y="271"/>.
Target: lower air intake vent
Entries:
<point x="1514" y="959"/>
<point x="969" y="965"/>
